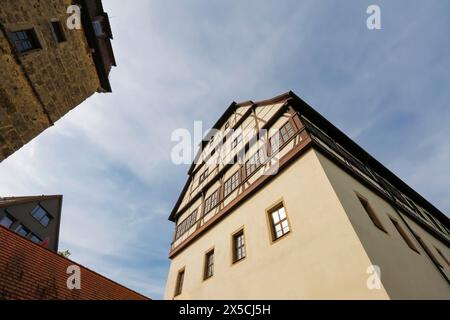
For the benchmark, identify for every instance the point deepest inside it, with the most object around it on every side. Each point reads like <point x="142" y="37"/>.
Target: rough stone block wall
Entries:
<point x="39" y="87"/>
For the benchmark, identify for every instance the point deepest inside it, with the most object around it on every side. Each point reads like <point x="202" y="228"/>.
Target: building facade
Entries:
<point x="297" y="210"/>
<point x="36" y="218"/>
<point x="48" y="69"/>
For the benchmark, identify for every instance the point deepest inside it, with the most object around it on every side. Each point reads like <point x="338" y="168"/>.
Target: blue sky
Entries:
<point x="186" y="60"/>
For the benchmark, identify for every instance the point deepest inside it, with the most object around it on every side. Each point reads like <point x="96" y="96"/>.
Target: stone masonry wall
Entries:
<point x="39" y="87"/>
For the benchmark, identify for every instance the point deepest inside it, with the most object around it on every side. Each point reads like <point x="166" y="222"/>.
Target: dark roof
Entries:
<point x="306" y="110"/>
<point x="12" y="201"/>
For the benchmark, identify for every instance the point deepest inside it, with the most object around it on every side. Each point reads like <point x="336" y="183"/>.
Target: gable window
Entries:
<point x="204" y="175"/>
<point x="279" y="223"/>
<point x="25" y="40"/>
<point x="255" y="161"/>
<point x="236" y="141"/>
<point x="179" y="284"/>
<point x="58" y="31"/>
<point x="286" y="132"/>
<point x="185" y="225"/>
<point x="41" y="215"/>
<point x="371" y="213"/>
<point x="238" y="246"/>
<point x="7" y="221"/>
<point x="280" y="138"/>
<point x="232" y="183"/>
<point x="209" y="265"/>
<point x="211" y="202"/>
<point x="405" y="237"/>
<point x="22" y="230"/>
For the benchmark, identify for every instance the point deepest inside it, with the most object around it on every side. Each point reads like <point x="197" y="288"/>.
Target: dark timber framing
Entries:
<point x="315" y="132"/>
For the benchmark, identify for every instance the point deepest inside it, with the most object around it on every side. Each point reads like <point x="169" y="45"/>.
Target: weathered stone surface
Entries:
<point x="39" y="87"/>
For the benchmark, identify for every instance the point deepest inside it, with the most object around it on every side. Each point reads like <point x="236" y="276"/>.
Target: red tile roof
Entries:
<point x="31" y="272"/>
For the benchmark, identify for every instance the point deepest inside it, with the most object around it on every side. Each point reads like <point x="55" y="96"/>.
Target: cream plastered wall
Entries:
<point x="322" y="257"/>
<point x="405" y="273"/>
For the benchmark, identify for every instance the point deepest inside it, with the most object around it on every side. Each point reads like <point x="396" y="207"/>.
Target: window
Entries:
<point x="404" y="235"/>
<point x="275" y="144"/>
<point x="179" y="284"/>
<point x="236" y="141"/>
<point x="58" y="31"/>
<point x="41" y="215"/>
<point x="7" y="221"/>
<point x="286" y="132"/>
<point x="23" y="231"/>
<point x="279" y="222"/>
<point x="98" y="28"/>
<point x="25" y="40"/>
<point x="185" y="225"/>
<point x="232" y="183"/>
<point x="212" y="201"/>
<point x="371" y="213"/>
<point x="204" y="175"/>
<point x="238" y="246"/>
<point x="255" y="161"/>
<point x="209" y="265"/>
<point x="227" y="125"/>
<point x="442" y="256"/>
<point x="35" y="239"/>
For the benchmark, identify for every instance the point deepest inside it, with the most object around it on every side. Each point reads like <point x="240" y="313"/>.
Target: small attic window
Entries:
<point x="98" y="28"/>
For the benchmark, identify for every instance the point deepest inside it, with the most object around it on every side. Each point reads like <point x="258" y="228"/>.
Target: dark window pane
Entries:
<point x="41" y="215"/>
<point x="22" y="230"/>
<point x="38" y="213"/>
<point x="25" y="40"/>
<point x="35" y="239"/>
<point x="6" y="221"/>
<point x="45" y="220"/>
